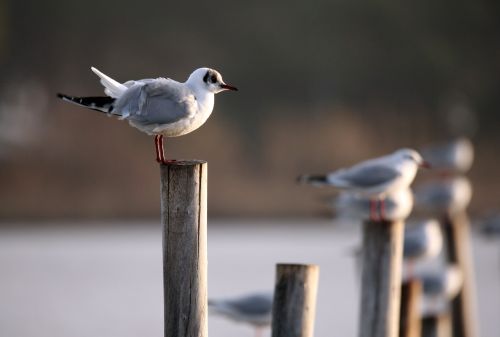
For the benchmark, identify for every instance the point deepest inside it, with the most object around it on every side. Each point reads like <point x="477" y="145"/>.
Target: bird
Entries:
<point x="254" y="309"/>
<point x="439" y="288"/>
<point x="374" y="178"/>
<point x="159" y="106"/>
<point x="423" y="240"/>
<point x="398" y="205"/>
<point x="455" y="156"/>
<point x="444" y="196"/>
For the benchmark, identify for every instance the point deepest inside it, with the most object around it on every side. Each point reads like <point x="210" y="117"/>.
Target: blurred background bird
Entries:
<point x="254" y="309"/>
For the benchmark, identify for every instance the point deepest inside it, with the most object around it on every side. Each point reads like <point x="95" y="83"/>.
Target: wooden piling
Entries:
<point x="381" y="278"/>
<point x="458" y="246"/>
<point x="294" y="304"/>
<point x="410" y="318"/>
<point x="184" y="221"/>
<point x="437" y="326"/>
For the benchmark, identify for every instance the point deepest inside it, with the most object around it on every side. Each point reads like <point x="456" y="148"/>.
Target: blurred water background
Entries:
<point x="107" y="280"/>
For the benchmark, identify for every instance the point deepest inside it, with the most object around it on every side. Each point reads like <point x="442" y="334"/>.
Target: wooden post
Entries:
<point x="410" y="319"/>
<point x="294" y="303"/>
<point x="184" y="220"/>
<point x="381" y="278"/>
<point x="437" y="326"/>
<point x="458" y="246"/>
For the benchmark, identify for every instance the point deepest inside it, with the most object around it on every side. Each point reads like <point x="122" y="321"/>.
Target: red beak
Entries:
<point x="425" y="164"/>
<point x="228" y="87"/>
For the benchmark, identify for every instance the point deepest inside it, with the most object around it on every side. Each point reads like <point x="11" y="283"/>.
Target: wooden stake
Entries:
<point x="410" y="319"/>
<point x="294" y="303"/>
<point x="184" y="220"/>
<point x="458" y="246"/>
<point x="381" y="278"/>
<point x="437" y="326"/>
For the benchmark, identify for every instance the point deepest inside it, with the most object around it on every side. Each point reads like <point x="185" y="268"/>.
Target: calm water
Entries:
<point x="106" y="281"/>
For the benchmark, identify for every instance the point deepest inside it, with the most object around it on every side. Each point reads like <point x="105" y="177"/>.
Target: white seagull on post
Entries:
<point x="161" y="107"/>
<point x="374" y="178"/>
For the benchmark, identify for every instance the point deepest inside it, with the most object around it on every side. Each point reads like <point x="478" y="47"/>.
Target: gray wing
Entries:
<point x="365" y="176"/>
<point x="156" y="102"/>
<point x="414" y="244"/>
<point x="255" y="304"/>
<point x="434" y="284"/>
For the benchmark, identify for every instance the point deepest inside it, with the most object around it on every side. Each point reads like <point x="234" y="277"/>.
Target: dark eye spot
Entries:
<point x="213" y="78"/>
<point x="205" y="78"/>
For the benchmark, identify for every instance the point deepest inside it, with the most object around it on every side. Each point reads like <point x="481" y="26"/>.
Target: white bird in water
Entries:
<point x="254" y="309"/>
<point x="375" y="178"/>
<point x="161" y="107"/>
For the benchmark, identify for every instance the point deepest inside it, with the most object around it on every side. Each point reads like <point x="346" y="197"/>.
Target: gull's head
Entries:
<point x="208" y="80"/>
<point x="409" y="155"/>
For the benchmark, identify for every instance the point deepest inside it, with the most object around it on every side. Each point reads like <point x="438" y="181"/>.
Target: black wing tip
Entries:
<point x="61" y="96"/>
<point x="312" y="178"/>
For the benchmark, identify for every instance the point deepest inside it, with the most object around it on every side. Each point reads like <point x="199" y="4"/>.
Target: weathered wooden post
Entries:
<point x="410" y="318"/>
<point x="184" y="221"/>
<point x="437" y="326"/>
<point x="294" y="304"/>
<point x="381" y="278"/>
<point x="458" y="246"/>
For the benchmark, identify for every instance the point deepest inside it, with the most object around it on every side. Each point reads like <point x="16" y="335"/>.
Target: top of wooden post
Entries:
<point x="185" y="162"/>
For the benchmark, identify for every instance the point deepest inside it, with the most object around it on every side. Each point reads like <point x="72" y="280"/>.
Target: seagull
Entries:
<point x="448" y="195"/>
<point x="374" y="178"/>
<point x="439" y="288"/>
<point x="254" y="309"/>
<point x="161" y="107"/>
<point x="455" y="156"/>
<point x="422" y="240"/>
<point x="398" y="205"/>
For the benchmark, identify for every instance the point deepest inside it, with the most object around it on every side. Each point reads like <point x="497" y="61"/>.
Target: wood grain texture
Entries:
<point x="294" y="305"/>
<point x="184" y="221"/>
<point x="381" y="278"/>
<point x="458" y="247"/>
<point x="437" y="326"/>
<point x="410" y="318"/>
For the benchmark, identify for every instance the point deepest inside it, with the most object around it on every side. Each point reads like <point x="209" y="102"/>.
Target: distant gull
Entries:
<point x="398" y="205"/>
<point x="439" y="288"/>
<point x="445" y="196"/>
<point x="161" y="107"/>
<point x="455" y="156"/>
<point x="422" y="240"/>
<point x="254" y="309"/>
<point x="375" y="178"/>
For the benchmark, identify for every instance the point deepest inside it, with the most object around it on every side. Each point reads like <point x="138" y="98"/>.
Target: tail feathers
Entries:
<point x="103" y="104"/>
<point x="111" y="87"/>
<point x="313" y="179"/>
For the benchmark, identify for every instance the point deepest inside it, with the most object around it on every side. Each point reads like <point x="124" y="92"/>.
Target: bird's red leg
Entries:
<point x="162" y="152"/>
<point x="382" y="209"/>
<point x="373" y="210"/>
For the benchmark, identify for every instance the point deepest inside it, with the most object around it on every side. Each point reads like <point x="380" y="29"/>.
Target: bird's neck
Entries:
<point x="205" y="101"/>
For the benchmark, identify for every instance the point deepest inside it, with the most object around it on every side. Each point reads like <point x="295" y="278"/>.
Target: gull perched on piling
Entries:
<point x="254" y="309"/>
<point x="455" y="156"/>
<point x="439" y="288"/>
<point x="445" y="196"/>
<point x="161" y="107"/>
<point x="374" y="178"/>
<point x="398" y="205"/>
<point x="422" y="240"/>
